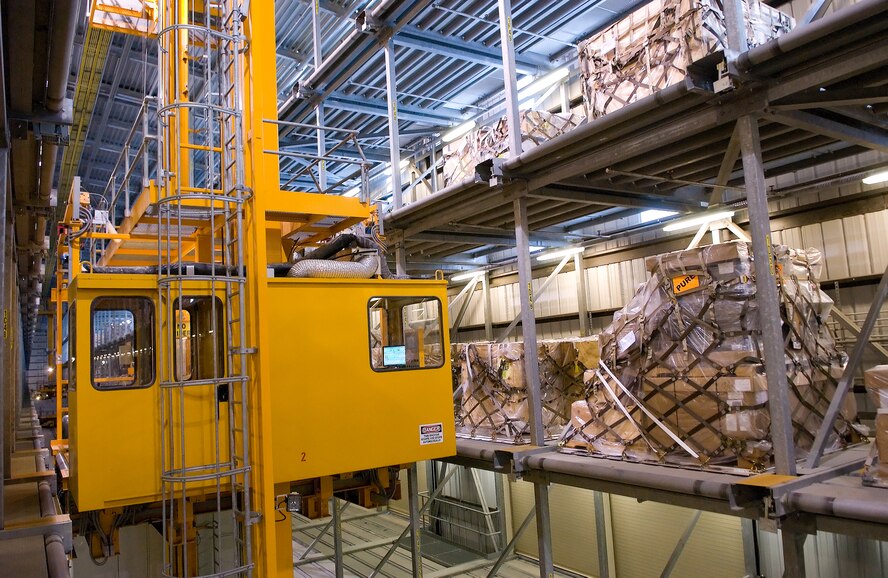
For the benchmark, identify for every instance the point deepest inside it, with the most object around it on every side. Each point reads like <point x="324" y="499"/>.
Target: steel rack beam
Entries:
<point x="436" y="43"/>
<point x="376" y="107"/>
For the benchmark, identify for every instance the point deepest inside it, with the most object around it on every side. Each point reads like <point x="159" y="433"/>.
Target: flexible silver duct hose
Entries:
<point x="363" y="268"/>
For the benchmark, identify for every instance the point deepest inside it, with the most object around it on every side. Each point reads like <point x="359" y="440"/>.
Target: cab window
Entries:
<point x="200" y="346"/>
<point x="122" y="342"/>
<point x="405" y="333"/>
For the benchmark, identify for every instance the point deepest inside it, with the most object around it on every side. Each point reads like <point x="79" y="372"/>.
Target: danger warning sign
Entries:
<point x="431" y="433"/>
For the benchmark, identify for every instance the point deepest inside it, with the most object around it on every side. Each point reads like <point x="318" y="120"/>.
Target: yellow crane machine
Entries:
<point x="231" y="347"/>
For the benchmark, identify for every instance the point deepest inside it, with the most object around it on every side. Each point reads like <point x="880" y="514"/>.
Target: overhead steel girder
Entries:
<point x="612" y="199"/>
<point x="436" y="43"/>
<point x="376" y="107"/>
<point x="483" y="239"/>
<point x="869" y="137"/>
<point x="289" y="144"/>
<point x="858" y="96"/>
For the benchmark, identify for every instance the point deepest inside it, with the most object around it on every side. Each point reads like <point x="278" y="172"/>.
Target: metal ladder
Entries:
<point x="201" y="186"/>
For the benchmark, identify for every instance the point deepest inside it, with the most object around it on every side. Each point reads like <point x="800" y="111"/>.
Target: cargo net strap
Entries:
<point x="491" y="398"/>
<point x="687" y="384"/>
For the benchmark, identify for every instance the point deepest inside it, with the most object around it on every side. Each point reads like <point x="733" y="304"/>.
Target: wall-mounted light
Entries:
<point x="698" y="221"/>
<point x="459" y="131"/>
<point x="554" y="256"/>
<point x="876" y="178"/>
<point x="466" y="276"/>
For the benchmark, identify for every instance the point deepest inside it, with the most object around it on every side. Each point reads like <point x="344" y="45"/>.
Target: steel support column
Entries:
<point x="505" y="334"/>
<point x="319" y="110"/>
<point x="767" y="296"/>
<point x="750" y="547"/>
<point x="601" y="534"/>
<point x="510" y="78"/>
<point x="488" y="309"/>
<point x="391" y="86"/>
<point x="582" y="307"/>
<point x="532" y="376"/>
<point x="415" y="520"/>
<point x="433" y="164"/>
<point x="337" y="538"/>
<point x="792" y="540"/>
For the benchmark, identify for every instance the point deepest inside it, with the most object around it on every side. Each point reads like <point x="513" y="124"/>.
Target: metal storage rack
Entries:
<point x="639" y="155"/>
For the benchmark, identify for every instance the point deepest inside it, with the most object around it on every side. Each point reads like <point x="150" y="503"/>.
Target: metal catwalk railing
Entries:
<point x="201" y="196"/>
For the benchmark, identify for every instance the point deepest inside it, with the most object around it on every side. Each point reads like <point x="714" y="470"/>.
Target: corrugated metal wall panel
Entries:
<point x="828" y="556"/>
<point x="574" y="546"/>
<point x="834" y="249"/>
<point x="857" y="246"/>
<point x="645" y="534"/>
<point x="877" y="236"/>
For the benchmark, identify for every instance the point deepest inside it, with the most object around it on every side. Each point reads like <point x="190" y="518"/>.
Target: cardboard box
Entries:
<point x="882" y="435"/>
<point x="876" y="381"/>
<point x="492" y="388"/>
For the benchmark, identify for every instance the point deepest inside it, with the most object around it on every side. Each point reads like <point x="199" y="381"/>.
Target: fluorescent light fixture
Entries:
<point x="536" y="248"/>
<point x="654" y="214"/>
<point x="876" y="178"/>
<point x="467" y="275"/>
<point x="698" y="221"/>
<point x="459" y="131"/>
<point x="543" y="83"/>
<point x="560" y="254"/>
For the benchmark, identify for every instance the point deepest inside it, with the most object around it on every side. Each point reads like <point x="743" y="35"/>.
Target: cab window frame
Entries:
<point x="218" y="341"/>
<point x="150" y="324"/>
<point x="419" y="299"/>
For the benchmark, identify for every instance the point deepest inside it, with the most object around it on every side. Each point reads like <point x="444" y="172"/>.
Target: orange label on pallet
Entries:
<point x="685" y="284"/>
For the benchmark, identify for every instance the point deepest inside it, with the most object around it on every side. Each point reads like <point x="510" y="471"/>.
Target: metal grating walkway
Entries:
<point x="360" y="526"/>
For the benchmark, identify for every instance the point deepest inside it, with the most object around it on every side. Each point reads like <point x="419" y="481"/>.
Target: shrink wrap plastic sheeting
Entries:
<point x="876" y="381"/>
<point x="688" y="349"/>
<point x="654" y="46"/>
<point x="490" y="142"/>
<point x="490" y="389"/>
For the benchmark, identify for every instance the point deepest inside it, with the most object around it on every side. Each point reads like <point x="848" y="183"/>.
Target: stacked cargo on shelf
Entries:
<point x="654" y="47"/>
<point x="490" y="142"/>
<point x="876" y="382"/>
<point x="682" y="378"/>
<point x="490" y="392"/>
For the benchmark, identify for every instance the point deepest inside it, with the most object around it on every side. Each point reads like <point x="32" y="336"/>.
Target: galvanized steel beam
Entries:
<point x="375" y="107"/>
<point x="873" y="138"/>
<point x="436" y="43"/>
<point x="767" y="297"/>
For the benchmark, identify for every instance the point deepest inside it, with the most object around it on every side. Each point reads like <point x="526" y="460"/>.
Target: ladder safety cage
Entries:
<point x="200" y="176"/>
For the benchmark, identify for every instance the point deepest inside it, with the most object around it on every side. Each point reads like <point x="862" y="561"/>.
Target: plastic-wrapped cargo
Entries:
<point x="876" y="381"/>
<point x="653" y="47"/>
<point x="683" y="379"/>
<point x="489" y="142"/>
<point x="492" y="388"/>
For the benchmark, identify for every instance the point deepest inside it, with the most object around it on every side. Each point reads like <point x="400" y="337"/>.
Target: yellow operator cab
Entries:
<point x="360" y="374"/>
<point x="359" y="368"/>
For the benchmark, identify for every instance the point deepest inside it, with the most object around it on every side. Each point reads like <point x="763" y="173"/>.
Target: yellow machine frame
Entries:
<point x="312" y="390"/>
